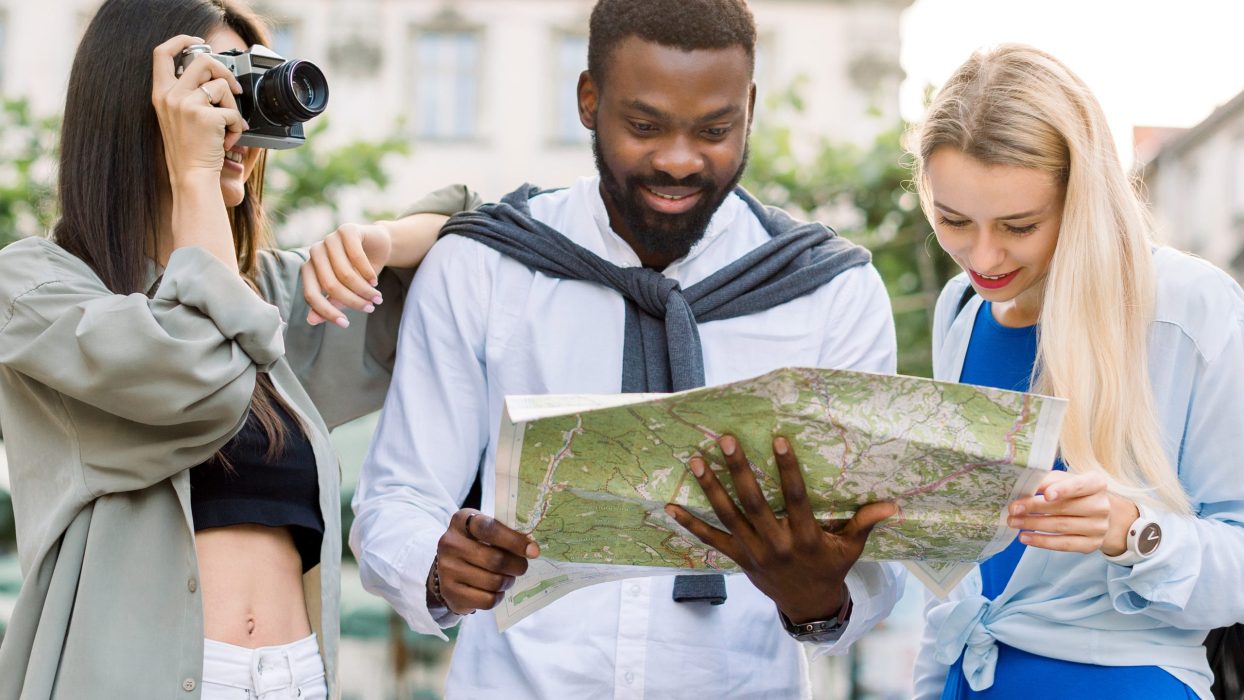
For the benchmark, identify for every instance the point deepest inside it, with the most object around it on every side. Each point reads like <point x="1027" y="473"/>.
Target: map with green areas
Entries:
<point x="590" y="485"/>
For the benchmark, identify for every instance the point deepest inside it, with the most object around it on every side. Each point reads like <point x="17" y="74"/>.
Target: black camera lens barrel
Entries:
<point x="292" y="92"/>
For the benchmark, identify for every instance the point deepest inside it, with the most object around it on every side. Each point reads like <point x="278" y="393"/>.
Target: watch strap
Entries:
<point x="1143" y="537"/>
<point x="819" y="631"/>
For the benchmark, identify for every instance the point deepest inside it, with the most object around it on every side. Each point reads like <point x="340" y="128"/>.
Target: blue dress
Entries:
<point x="1002" y="357"/>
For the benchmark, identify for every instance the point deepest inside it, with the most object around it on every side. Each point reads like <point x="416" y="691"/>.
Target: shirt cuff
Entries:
<point x="1165" y="580"/>
<point x="416" y="566"/>
<point x="873" y="588"/>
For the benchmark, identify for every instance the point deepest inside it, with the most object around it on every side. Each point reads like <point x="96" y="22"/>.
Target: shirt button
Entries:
<point x="630" y="677"/>
<point x="188" y="685"/>
<point x="192" y="585"/>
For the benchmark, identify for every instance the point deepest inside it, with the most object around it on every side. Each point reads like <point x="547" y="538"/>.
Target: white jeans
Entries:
<point x="288" y="672"/>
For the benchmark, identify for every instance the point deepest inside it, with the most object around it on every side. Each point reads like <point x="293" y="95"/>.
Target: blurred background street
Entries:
<point x="430" y="92"/>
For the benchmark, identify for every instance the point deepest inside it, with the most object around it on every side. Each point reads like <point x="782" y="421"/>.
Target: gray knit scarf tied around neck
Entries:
<point x="661" y="350"/>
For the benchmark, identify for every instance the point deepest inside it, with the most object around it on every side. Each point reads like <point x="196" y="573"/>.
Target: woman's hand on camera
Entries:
<point x="343" y="272"/>
<point x="199" y="119"/>
<point x="1073" y="513"/>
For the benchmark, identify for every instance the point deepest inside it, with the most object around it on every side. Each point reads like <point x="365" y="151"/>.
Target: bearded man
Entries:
<point x="659" y="274"/>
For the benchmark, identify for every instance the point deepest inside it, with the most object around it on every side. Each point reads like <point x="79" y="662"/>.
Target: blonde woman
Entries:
<point x="1133" y="549"/>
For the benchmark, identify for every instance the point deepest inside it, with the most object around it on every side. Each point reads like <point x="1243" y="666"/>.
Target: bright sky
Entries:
<point x="1150" y="62"/>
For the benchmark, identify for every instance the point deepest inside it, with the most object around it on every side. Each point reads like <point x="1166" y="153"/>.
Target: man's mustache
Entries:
<point x="660" y="179"/>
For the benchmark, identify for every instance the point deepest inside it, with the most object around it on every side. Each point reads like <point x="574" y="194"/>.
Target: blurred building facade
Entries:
<point x="485" y="89"/>
<point x="1195" y="185"/>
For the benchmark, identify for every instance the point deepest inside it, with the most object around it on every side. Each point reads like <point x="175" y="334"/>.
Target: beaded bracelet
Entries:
<point x="436" y="587"/>
<point x="436" y="583"/>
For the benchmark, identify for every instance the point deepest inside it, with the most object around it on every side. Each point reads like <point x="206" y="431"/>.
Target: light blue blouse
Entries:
<point x="1079" y="607"/>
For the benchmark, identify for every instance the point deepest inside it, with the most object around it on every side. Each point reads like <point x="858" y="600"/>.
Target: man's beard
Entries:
<point x="669" y="236"/>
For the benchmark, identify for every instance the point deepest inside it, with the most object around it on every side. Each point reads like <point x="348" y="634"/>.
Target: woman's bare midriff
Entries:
<point x="251" y="579"/>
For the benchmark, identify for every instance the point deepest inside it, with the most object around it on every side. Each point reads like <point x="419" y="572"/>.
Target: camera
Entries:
<point x="277" y="95"/>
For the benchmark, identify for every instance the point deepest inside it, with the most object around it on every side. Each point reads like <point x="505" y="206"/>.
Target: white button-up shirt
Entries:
<point x="478" y="326"/>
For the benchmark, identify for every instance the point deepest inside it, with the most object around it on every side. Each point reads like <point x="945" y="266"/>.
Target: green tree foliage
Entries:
<point x="865" y="194"/>
<point x="27" y="171"/>
<point x="315" y="175"/>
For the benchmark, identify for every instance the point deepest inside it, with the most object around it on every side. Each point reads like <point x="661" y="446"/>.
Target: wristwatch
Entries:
<point x="1143" y="538"/>
<point x="819" y="631"/>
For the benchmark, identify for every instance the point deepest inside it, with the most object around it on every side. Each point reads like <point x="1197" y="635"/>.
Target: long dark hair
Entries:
<point x="112" y="171"/>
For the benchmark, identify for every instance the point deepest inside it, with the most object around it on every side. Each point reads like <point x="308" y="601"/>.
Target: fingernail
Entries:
<point x="377" y="299"/>
<point x="533" y="550"/>
<point x="369" y="308"/>
<point x="1017" y="509"/>
<point x="1051" y="495"/>
<point x="781" y="446"/>
<point x="728" y="445"/>
<point x="669" y="510"/>
<point x="1023" y="537"/>
<point x="342" y="321"/>
<point x="697" y="466"/>
<point x="1010" y="522"/>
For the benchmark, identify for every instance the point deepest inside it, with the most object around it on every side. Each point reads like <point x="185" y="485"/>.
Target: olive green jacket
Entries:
<point x="107" y="400"/>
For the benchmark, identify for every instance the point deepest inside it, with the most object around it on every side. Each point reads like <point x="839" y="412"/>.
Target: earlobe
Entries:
<point x="588" y="99"/>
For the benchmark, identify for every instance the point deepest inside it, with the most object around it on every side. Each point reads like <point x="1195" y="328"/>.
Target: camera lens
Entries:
<point x="292" y="92"/>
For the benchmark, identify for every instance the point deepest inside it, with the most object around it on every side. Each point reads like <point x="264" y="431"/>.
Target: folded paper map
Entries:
<point x="588" y="476"/>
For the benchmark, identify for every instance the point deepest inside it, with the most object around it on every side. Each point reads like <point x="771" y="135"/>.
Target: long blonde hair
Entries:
<point x="1015" y="105"/>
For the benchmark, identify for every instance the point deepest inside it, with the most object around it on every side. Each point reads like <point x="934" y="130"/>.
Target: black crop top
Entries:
<point x="284" y="492"/>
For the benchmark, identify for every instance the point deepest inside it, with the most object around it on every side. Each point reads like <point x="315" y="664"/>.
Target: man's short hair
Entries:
<point x="689" y="25"/>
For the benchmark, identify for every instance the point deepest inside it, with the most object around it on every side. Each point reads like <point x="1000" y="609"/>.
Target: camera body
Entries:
<point x="277" y="95"/>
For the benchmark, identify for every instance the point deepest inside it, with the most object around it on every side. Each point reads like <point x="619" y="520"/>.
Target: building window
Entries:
<point x="447" y="84"/>
<point x="570" y="61"/>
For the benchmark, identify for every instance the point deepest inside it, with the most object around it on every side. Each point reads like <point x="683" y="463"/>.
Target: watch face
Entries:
<point x="1149" y="539"/>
